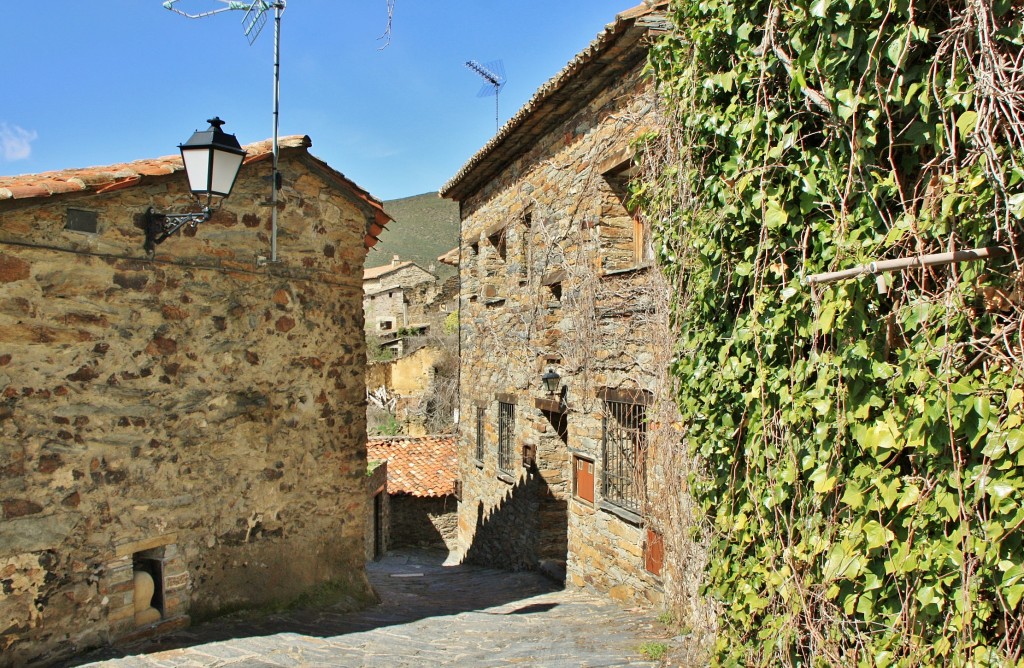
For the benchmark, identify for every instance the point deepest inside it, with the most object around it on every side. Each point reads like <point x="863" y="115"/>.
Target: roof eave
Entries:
<point x="628" y="31"/>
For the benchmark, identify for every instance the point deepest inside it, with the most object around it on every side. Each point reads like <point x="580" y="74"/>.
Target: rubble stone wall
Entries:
<point x="195" y="408"/>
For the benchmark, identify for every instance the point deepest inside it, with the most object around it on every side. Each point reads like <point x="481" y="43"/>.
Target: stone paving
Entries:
<point x="430" y="615"/>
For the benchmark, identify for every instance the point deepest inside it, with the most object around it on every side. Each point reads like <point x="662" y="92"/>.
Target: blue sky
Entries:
<point x="94" y="83"/>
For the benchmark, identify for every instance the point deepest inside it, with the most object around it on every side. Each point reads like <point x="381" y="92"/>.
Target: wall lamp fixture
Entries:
<point x="551" y="381"/>
<point x="212" y="160"/>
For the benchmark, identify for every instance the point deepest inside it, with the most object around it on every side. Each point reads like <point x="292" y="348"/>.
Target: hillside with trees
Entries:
<point x="425" y="227"/>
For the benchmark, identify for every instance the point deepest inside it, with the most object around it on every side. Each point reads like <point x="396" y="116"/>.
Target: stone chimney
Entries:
<point x="395" y="261"/>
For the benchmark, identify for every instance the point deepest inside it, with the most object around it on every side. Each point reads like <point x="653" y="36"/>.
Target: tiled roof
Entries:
<point x="451" y="257"/>
<point x="127" y="174"/>
<point x="376" y="272"/>
<point x="417" y="465"/>
<point x="607" y="57"/>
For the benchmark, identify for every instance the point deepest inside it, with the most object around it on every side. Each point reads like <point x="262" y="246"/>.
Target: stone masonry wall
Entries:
<point x="549" y="280"/>
<point x="193" y="409"/>
<point x="423" y="521"/>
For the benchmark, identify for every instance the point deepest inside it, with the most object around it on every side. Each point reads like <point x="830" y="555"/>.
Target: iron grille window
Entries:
<point x="624" y="454"/>
<point x="479" y="433"/>
<point x="506" y="429"/>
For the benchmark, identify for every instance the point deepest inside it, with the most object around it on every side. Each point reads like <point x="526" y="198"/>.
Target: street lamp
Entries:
<point x="212" y="159"/>
<point x="550" y="380"/>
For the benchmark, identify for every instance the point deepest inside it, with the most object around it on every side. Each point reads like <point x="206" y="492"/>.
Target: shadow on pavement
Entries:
<point x="412" y="585"/>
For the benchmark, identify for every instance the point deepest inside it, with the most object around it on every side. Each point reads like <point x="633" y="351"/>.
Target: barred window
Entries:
<point x="624" y="454"/>
<point x="506" y="431"/>
<point x="479" y="433"/>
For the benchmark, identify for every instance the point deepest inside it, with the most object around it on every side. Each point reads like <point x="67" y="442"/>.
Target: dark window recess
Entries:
<point x="82" y="221"/>
<point x="500" y="243"/>
<point x="506" y="434"/>
<point x="479" y="433"/>
<point x="155" y="568"/>
<point x="624" y="454"/>
<point x="583" y="479"/>
<point x="556" y="291"/>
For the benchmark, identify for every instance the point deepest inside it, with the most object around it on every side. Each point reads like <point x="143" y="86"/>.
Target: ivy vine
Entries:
<point x="863" y="451"/>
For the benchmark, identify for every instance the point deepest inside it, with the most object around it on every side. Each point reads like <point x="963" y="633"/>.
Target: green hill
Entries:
<point x="425" y="227"/>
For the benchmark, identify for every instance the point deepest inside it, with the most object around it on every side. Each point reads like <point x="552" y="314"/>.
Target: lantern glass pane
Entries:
<point x="225" y="169"/>
<point x="197" y="166"/>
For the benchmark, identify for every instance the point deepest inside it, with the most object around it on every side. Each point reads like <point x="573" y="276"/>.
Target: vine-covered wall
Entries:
<point x="862" y="448"/>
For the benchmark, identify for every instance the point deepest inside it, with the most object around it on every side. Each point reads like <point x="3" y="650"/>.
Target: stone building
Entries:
<point x="403" y="300"/>
<point x="421" y="482"/>
<point x="557" y="277"/>
<point x="196" y="416"/>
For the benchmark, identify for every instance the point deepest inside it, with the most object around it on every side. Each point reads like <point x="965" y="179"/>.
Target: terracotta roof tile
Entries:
<point x="376" y="272"/>
<point x="107" y="178"/>
<point x="417" y="465"/>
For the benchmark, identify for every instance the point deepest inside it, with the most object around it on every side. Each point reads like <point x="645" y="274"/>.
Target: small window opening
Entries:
<point x="148" y="594"/>
<point x="479" y="434"/>
<point x="80" y="220"/>
<point x="500" y="242"/>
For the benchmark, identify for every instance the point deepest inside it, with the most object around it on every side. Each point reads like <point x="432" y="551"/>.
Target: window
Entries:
<point x="625" y="238"/>
<point x="499" y="240"/>
<point x="386" y="325"/>
<point x="553" y="282"/>
<point x="479" y="454"/>
<point x="506" y="433"/>
<point x="82" y="221"/>
<point x="624" y="452"/>
<point x="583" y="479"/>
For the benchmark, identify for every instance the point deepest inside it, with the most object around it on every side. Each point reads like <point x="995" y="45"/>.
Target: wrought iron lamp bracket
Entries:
<point x="159" y="226"/>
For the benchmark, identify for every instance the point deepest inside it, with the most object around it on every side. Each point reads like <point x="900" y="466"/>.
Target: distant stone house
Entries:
<point x="421" y="489"/>
<point x="557" y="276"/>
<point x="194" y="419"/>
<point x="396" y="301"/>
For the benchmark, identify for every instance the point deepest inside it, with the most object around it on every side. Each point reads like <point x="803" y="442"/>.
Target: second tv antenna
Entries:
<point x="493" y="75"/>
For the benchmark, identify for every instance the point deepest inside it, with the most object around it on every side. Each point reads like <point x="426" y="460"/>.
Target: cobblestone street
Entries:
<point x="430" y="615"/>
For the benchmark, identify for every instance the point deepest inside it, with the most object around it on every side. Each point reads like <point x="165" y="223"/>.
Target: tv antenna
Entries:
<point x="493" y="74"/>
<point x="253" y="21"/>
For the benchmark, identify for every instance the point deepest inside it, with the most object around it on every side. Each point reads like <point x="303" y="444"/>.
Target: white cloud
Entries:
<point x="15" y="142"/>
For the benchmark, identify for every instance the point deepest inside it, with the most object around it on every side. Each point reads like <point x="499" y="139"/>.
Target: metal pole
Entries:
<point x="276" y="177"/>
<point x="908" y="263"/>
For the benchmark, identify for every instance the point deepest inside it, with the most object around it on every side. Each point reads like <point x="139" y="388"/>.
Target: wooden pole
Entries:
<point x="921" y="261"/>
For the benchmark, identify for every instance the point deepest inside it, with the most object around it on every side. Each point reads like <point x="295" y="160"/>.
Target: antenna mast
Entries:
<point x="254" y="20"/>
<point x="493" y="75"/>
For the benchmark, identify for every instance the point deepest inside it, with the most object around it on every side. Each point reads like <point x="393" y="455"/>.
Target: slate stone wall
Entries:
<point x="195" y="408"/>
<point x="550" y="279"/>
<point x="423" y="521"/>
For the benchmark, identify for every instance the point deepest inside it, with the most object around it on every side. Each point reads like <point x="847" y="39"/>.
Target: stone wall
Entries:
<point x="402" y="276"/>
<point x="556" y="274"/>
<point x="385" y="311"/>
<point x="420" y="521"/>
<point x="378" y="511"/>
<point x="195" y="409"/>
